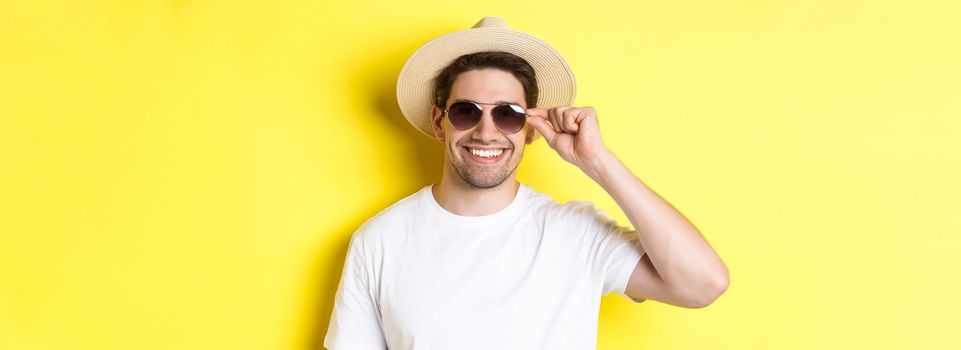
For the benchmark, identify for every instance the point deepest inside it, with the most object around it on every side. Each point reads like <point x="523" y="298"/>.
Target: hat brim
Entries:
<point x="415" y="85"/>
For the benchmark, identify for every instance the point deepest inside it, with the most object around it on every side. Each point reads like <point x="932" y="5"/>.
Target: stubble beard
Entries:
<point x="481" y="176"/>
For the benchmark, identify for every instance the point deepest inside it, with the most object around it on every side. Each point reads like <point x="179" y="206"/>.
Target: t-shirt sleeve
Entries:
<point x="355" y="322"/>
<point x="614" y="250"/>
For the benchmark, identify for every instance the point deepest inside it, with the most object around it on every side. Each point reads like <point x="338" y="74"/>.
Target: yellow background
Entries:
<point x="186" y="174"/>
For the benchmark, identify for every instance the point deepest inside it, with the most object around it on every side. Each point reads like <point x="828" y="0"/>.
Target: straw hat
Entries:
<point x="415" y="85"/>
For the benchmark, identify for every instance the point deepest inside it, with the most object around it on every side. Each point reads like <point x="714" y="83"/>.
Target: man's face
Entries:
<point x="482" y="171"/>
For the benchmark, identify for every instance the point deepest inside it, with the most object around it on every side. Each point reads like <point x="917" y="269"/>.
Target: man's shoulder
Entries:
<point x="570" y="213"/>
<point x="394" y="216"/>
<point x="547" y="203"/>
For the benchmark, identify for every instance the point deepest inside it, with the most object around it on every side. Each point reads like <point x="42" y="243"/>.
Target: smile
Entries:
<point x="485" y="156"/>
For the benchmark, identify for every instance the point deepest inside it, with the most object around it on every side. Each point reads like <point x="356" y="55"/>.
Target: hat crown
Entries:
<point x="491" y="22"/>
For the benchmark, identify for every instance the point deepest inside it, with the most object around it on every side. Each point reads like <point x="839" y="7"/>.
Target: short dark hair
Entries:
<point x="511" y="63"/>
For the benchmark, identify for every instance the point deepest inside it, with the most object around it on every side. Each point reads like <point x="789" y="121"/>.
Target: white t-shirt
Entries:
<point x="530" y="276"/>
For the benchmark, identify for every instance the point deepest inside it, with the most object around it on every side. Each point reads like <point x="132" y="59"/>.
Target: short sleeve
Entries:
<point x="355" y="322"/>
<point x="614" y="250"/>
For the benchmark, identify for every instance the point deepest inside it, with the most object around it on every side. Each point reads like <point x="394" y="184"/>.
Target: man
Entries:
<point x="480" y="261"/>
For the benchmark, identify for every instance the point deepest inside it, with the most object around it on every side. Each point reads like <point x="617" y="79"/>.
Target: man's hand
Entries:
<point x="572" y="132"/>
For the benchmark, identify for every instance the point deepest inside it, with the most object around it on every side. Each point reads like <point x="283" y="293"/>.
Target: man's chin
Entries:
<point x="481" y="181"/>
<point x="469" y="176"/>
<point x="482" y="186"/>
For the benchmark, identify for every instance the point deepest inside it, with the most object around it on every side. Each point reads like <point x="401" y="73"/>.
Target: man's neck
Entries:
<point x="463" y="199"/>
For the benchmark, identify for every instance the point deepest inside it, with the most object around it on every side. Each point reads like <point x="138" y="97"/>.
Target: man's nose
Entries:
<point x="486" y="130"/>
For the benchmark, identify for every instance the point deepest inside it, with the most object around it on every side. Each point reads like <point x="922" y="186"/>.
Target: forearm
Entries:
<point x="678" y="251"/>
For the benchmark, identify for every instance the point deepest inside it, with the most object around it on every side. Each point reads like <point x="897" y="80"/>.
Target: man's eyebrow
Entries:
<point x="498" y="102"/>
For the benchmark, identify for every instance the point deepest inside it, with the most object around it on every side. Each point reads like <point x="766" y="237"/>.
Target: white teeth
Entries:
<point x="488" y="153"/>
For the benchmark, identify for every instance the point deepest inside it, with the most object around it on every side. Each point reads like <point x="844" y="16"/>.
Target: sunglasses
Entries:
<point x="509" y="118"/>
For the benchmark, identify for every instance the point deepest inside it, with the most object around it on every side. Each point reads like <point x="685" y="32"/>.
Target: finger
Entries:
<point x="541" y="125"/>
<point x="540" y="112"/>
<point x="587" y="120"/>
<point x="569" y="118"/>
<point x="559" y="118"/>
<point x="555" y="122"/>
<point x="561" y="112"/>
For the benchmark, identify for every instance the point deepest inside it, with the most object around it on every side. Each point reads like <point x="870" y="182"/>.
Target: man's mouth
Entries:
<point x="485" y="155"/>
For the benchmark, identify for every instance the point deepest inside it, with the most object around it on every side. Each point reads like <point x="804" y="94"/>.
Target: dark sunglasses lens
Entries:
<point x="464" y="115"/>
<point x="509" y="118"/>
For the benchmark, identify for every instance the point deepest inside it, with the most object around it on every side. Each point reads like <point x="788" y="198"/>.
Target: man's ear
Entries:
<point x="437" y="121"/>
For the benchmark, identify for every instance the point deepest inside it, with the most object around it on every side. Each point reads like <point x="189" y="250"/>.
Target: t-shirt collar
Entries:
<point x="498" y="217"/>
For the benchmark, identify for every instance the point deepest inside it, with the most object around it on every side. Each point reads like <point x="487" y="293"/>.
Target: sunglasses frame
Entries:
<point x="477" y="104"/>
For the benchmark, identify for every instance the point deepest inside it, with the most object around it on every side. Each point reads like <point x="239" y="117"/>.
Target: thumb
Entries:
<point x="541" y="125"/>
